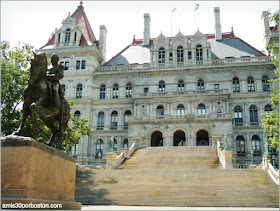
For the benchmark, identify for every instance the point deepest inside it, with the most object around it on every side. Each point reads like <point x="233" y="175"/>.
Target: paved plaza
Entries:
<point x="91" y="207"/>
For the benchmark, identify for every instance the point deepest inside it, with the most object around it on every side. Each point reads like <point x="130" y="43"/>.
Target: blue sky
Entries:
<point x="32" y="22"/>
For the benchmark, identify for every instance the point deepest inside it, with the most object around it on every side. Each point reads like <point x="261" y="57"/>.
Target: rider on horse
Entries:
<point x="54" y="74"/>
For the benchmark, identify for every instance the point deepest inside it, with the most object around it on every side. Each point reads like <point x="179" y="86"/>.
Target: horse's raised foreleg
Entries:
<point x="25" y="114"/>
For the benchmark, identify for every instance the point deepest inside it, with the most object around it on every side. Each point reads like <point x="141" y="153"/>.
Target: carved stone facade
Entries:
<point x="192" y="88"/>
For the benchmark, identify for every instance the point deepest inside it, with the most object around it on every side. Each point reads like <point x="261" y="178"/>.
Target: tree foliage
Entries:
<point x="14" y="75"/>
<point x="271" y="121"/>
<point x="15" y="65"/>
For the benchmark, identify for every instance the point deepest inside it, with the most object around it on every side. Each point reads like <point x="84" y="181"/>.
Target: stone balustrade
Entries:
<point x="176" y="117"/>
<point x="190" y="92"/>
<point x="115" y="159"/>
<point x="267" y="166"/>
<point x="225" y="156"/>
<point x="214" y="62"/>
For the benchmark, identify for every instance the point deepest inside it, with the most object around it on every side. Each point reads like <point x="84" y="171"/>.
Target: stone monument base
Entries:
<point x="32" y="172"/>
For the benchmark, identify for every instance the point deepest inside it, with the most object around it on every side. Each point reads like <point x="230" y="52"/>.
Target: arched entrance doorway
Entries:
<point x="178" y="137"/>
<point x="156" y="139"/>
<point x="202" y="138"/>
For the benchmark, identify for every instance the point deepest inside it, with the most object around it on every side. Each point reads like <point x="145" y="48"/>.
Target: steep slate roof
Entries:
<point x="82" y="22"/>
<point x="229" y="46"/>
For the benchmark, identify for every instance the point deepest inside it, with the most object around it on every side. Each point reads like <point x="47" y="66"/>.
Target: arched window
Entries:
<point x="79" y="92"/>
<point x="99" y="147"/>
<point x="100" y="119"/>
<point x="160" y="110"/>
<point x="63" y="88"/>
<point x="267" y="109"/>
<point x="125" y="143"/>
<point x="199" y="55"/>
<point x="67" y="35"/>
<point x="161" y="86"/>
<point x="181" y="86"/>
<point x="180" y="110"/>
<point x="256" y="144"/>
<point x="238" y="117"/>
<point x="201" y="109"/>
<point x="115" y="145"/>
<point x="161" y="56"/>
<point x="200" y="85"/>
<point x="77" y="115"/>
<point x="115" y="91"/>
<point x="102" y="92"/>
<point x="251" y="84"/>
<point x="235" y="85"/>
<point x="265" y="83"/>
<point x="114" y="120"/>
<point x="126" y="114"/>
<point x="128" y="90"/>
<point x="253" y="113"/>
<point x="240" y="145"/>
<point x="180" y="54"/>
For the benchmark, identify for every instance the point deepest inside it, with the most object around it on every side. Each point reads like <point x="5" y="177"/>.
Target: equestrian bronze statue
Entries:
<point x="44" y="96"/>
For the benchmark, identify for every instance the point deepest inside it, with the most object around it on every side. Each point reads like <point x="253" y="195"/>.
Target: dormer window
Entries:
<point x="67" y="35"/>
<point x="180" y="54"/>
<point x="161" y="56"/>
<point x="58" y="37"/>
<point x="199" y="55"/>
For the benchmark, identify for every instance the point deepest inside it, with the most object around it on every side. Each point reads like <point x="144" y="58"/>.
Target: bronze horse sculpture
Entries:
<point x="37" y="98"/>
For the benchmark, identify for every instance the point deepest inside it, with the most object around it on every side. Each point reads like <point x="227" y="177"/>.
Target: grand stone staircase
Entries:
<point x="176" y="176"/>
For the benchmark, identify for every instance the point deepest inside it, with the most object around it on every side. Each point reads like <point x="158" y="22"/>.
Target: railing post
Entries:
<point x="138" y="142"/>
<point x="125" y="152"/>
<point x="110" y="160"/>
<point x="227" y="156"/>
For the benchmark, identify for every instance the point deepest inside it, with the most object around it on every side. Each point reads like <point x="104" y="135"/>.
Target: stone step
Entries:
<point x="176" y="176"/>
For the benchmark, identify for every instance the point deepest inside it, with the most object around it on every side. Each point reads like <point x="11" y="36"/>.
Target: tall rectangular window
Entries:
<point x="84" y="64"/>
<point x="190" y="55"/>
<point x="66" y="65"/>
<point x="78" y="64"/>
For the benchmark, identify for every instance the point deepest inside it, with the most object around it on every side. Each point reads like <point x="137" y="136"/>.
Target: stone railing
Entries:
<point x="190" y="92"/>
<point x="267" y="166"/>
<point x="178" y="117"/>
<point x="213" y="62"/>
<point x="225" y="157"/>
<point x="115" y="159"/>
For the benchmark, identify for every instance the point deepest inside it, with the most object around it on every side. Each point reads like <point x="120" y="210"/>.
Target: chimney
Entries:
<point x="102" y="41"/>
<point x="147" y="33"/>
<point x="218" y="30"/>
<point x="266" y="24"/>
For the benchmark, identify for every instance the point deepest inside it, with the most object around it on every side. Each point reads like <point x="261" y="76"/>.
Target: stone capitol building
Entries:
<point x="189" y="90"/>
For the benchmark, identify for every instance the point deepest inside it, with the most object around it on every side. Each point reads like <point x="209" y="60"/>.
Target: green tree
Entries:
<point x="271" y="121"/>
<point x="14" y="75"/>
<point x="15" y="65"/>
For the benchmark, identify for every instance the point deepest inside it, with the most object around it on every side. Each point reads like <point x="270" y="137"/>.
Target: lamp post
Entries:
<point x="252" y="156"/>
<point x="99" y="159"/>
<point x="266" y="151"/>
<point x="226" y="143"/>
<point x="112" y="144"/>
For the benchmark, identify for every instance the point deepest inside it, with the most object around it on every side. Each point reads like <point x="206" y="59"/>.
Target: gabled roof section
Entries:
<point x="82" y="22"/>
<point x="180" y="36"/>
<point x="229" y="46"/>
<point x="88" y="37"/>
